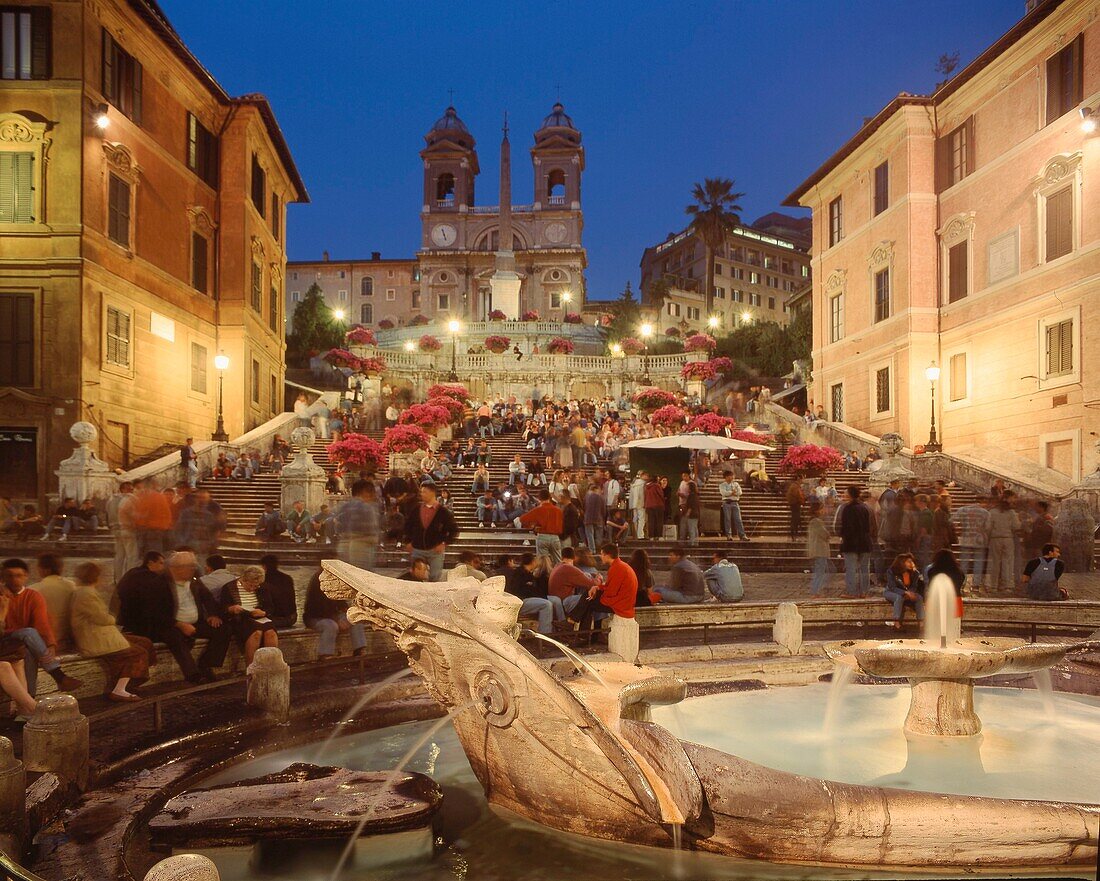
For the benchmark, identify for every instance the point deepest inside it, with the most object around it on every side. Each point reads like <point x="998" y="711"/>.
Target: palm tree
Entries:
<point x="714" y="214"/>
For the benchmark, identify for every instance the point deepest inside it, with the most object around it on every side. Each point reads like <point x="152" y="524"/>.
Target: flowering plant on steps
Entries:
<point x="497" y="344"/>
<point x="560" y="346"/>
<point x="429" y="417"/>
<point x="429" y="343"/>
<point x="357" y="450"/>
<point x="810" y="460"/>
<point x="670" y="416"/>
<point x="405" y="439"/>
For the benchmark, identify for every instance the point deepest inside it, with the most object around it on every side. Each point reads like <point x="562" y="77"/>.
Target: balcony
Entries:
<point x="556" y="200"/>
<point x="447" y="204"/>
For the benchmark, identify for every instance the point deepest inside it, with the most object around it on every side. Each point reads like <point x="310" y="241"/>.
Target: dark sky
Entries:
<point x="664" y="93"/>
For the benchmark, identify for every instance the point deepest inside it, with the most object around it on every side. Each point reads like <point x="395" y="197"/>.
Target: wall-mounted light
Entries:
<point x="713" y="321"/>
<point x="338" y="314"/>
<point x="100" y="117"/>
<point x="1088" y="120"/>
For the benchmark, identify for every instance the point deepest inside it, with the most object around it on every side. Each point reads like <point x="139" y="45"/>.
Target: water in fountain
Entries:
<point x="578" y="662"/>
<point x="354" y="711"/>
<point x="942" y="625"/>
<point x="842" y="675"/>
<point x="1045" y="686"/>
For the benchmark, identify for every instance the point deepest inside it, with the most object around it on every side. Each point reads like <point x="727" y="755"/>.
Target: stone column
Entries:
<point x="269" y="684"/>
<point x="56" y="739"/>
<point x="302" y="479"/>
<point x="787" y="630"/>
<point x="13" y="801"/>
<point x="83" y="475"/>
<point x="184" y="867"/>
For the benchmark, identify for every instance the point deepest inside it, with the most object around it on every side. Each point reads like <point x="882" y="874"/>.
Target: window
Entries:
<point x="836" y="402"/>
<point x="882" y="187"/>
<point x="754" y="298"/>
<point x="693" y="313"/>
<point x="1059" y="223"/>
<point x="121" y="78"/>
<point x="882" y="390"/>
<point x="257" y="287"/>
<point x="737" y="272"/>
<point x="1059" y="348"/>
<point x="444" y="302"/>
<point x="259" y="185"/>
<point x="720" y="293"/>
<point x="955" y="155"/>
<point x="118" y="337"/>
<point x="956" y="377"/>
<point x="836" y="318"/>
<point x="771" y="281"/>
<point x="366" y="313"/>
<point x="202" y="151"/>
<point x="199" y="257"/>
<point x="957" y="260"/>
<point x="391" y="295"/>
<point x="882" y="295"/>
<point x="273" y="389"/>
<point x="366" y="286"/>
<point x="273" y="308"/>
<point x="343" y="296"/>
<point x="25" y="43"/>
<point x="805" y="271"/>
<point x="769" y="262"/>
<point x="739" y="296"/>
<point x="836" y="220"/>
<point x="754" y="278"/>
<point x="295" y="296"/>
<point x="555" y="299"/>
<point x="198" y="368"/>
<point x="118" y="211"/>
<point x="17" y="340"/>
<point x="415" y="299"/>
<point x="276" y="218"/>
<point x="771" y="303"/>
<point x="16" y="187"/>
<point x="294" y="276"/>
<point x="445" y="189"/>
<point x="255" y="381"/>
<point x="1064" y="79"/>
<point x="342" y="274"/>
<point x="717" y="268"/>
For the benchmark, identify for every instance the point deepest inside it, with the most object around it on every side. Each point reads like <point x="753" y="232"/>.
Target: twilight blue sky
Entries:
<point x="664" y="93"/>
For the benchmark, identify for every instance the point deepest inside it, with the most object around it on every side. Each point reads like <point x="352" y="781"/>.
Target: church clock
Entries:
<point x="444" y="235"/>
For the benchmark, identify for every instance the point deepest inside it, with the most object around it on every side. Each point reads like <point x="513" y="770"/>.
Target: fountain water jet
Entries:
<point x="356" y="708"/>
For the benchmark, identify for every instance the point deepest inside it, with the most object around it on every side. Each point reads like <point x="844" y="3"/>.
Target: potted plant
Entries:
<point x="670" y="416"/>
<point x="673" y="332"/>
<point x="372" y="366"/>
<point x="650" y="398"/>
<point x="530" y="315"/>
<point x="573" y="318"/>
<point x="429" y="343"/>
<point x="560" y="346"/>
<point x="360" y="336"/>
<point x="342" y="358"/>
<point x="497" y="344"/>
<point x="454" y="408"/>
<point x="448" y="390"/>
<point x="429" y="417"/>
<point x="385" y="324"/>
<point x="632" y="346"/>
<point x="710" y="423"/>
<point x="722" y="365"/>
<point x="810" y="460"/>
<point x="358" y="451"/>
<point x="497" y="315"/>
<point x="418" y="320"/>
<point x="405" y="445"/>
<point x="700" y="342"/>
<point x="698" y="371"/>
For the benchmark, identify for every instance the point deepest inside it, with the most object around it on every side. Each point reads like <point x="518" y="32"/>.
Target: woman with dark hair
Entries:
<point x="639" y="562"/>
<point x="904" y="587"/>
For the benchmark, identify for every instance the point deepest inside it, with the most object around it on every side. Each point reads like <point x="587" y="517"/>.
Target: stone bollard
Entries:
<point x="13" y="800"/>
<point x="269" y="684"/>
<point x="184" y="867"/>
<point x="56" y="739"/>
<point x="787" y="630"/>
<point x="623" y="640"/>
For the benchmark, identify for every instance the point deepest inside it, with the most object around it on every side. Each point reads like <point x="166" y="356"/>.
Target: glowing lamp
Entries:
<point x="932" y="372"/>
<point x="221" y="362"/>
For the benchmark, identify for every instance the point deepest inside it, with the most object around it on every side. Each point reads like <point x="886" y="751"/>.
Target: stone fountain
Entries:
<point x="577" y="752"/>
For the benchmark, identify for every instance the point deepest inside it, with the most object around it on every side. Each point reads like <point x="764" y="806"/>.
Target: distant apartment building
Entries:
<point x="755" y="273"/>
<point x="365" y="291"/>
<point x="961" y="229"/>
<point x="142" y="232"/>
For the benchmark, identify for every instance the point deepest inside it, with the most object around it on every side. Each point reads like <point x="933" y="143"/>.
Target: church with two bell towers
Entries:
<point x="478" y="259"/>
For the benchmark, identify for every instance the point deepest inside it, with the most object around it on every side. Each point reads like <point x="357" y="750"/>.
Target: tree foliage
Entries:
<point x="313" y="328"/>
<point x="764" y="348"/>
<point x="626" y="315"/>
<point x="714" y="214"/>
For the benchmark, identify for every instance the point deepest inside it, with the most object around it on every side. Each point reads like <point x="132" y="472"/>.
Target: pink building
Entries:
<point x="962" y="229"/>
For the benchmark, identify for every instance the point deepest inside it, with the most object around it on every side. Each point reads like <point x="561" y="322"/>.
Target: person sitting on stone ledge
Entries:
<point x="1040" y="578"/>
<point x="270" y="526"/>
<point x="246" y="603"/>
<point x="469" y="566"/>
<point x="299" y="523"/>
<point x="418" y="571"/>
<point x="329" y="618"/>
<point x="723" y="580"/>
<point x="27" y="525"/>
<point x="522" y="582"/>
<point x="324" y="524"/>
<point x="904" y="587"/>
<point x="686" y="581"/>
<point x="63" y="519"/>
<point x="217" y="576"/>
<point x="278" y="588"/>
<point x="28" y="620"/>
<point x="128" y="657"/>
<point x="58" y="593"/>
<point x="13" y="680"/>
<point x="222" y="468"/>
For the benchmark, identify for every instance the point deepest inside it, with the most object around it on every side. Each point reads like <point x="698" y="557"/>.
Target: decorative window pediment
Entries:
<point x="257" y="248"/>
<point x="1058" y="169"/>
<point x="201" y="221"/>
<point x="836" y="282"/>
<point x="957" y="228"/>
<point x="121" y="161"/>
<point x="882" y="255"/>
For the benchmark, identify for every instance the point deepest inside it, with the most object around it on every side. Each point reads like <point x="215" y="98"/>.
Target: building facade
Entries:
<point x="755" y="273"/>
<point x="962" y="230"/>
<point x="141" y="233"/>
<point x="365" y="291"/>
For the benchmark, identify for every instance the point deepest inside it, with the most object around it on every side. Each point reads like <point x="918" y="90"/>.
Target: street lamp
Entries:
<point x="567" y="298"/>
<point x="616" y="349"/>
<point x="338" y="314"/>
<point x="453" y="326"/>
<point x="410" y="346"/>
<point x="933" y="375"/>
<point x="713" y="322"/>
<point x="221" y="363"/>
<point x="100" y="117"/>
<point x="746" y="317"/>
<point x="646" y="331"/>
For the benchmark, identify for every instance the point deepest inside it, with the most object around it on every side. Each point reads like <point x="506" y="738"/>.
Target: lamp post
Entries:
<point x="221" y="364"/>
<point x="713" y="322"/>
<point x="933" y="375"/>
<point x="453" y="326"/>
<point x="646" y="331"/>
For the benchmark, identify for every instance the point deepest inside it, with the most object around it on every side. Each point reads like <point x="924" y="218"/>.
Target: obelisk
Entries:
<point x="505" y="283"/>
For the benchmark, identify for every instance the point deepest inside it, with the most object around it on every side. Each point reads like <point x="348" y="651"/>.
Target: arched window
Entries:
<point x="445" y="188"/>
<point x="490" y="241"/>
<point x="366" y="312"/>
<point x="555" y="187"/>
<point x="366" y="286"/>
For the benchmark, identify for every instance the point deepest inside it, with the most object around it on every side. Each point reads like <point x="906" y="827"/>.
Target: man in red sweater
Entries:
<point x="546" y="520"/>
<point x="28" y="621"/>
<point x="617" y="595"/>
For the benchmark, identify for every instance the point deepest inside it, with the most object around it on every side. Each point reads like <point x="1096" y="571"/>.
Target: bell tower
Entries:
<point x="450" y="166"/>
<point x="558" y="158"/>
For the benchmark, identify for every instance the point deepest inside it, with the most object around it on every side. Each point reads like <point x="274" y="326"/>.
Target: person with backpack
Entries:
<point x="1040" y="578"/>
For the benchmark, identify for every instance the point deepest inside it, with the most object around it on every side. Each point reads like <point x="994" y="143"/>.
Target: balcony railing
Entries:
<point x="556" y="200"/>
<point x="444" y="203"/>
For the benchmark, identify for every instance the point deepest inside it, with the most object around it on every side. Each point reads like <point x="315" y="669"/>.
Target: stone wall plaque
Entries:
<point x="1004" y="256"/>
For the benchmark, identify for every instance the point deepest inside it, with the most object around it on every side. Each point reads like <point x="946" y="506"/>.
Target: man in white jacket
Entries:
<point x="636" y="503"/>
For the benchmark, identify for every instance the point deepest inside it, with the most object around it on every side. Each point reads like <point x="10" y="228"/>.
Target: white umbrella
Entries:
<point x="694" y="440"/>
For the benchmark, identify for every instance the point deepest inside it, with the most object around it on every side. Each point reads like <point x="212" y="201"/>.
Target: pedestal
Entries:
<point x="892" y="467"/>
<point x="943" y="708"/>
<point x="83" y="475"/>
<point x="1074" y="531"/>
<point x="302" y="479"/>
<point x="56" y="739"/>
<point x="787" y="630"/>
<point x="13" y="801"/>
<point x="505" y="286"/>
<point x="184" y="867"/>
<point x="402" y="462"/>
<point x="624" y="640"/>
<point x="269" y="684"/>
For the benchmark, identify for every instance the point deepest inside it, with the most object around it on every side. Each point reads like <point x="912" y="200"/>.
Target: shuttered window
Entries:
<point x="955" y="155"/>
<point x="274" y="389"/>
<point x="882" y="295"/>
<point x="1059" y="217"/>
<point x="957" y="377"/>
<point x="836" y="401"/>
<point x="276" y="216"/>
<point x="957" y="283"/>
<point x="24" y="42"/>
<point x="273" y="309"/>
<point x="256" y="382"/>
<point x="836" y="220"/>
<point x="257" y="287"/>
<point x="17" y="188"/>
<point x="1065" y="79"/>
<point x="366" y="313"/>
<point x="17" y="340"/>
<point x="1059" y="345"/>
<point x="200" y="251"/>
<point x="836" y="318"/>
<point x="259" y="185"/>
<point x="122" y="78"/>
<point x="202" y="151"/>
<point x="118" y="211"/>
<point x="882" y="390"/>
<point x="198" y="368"/>
<point x="882" y="187"/>
<point x="118" y="337"/>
